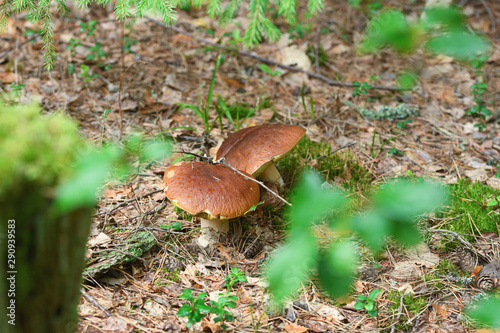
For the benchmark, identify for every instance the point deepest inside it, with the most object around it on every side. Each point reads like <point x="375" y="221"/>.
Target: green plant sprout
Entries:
<point x="265" y="68"/>
<point x="322" y="55"/>
<point x="493" y="202"/>
<point x="478" y="89"/>
<point x="235" y="113"/>
<point x="368" y="302"/>
<point x="395" y="152"/>
<point x="195" y="310"/>
<point x="219" y="308"/>
<point x="299" y="30"/>
<point x="203" y="110"/>
<point x="360" y="88"/>
<point x="89" y="27"/>
<point x="382" y="144"/>
<point x="73" y="43"/>
<point x="16" y="88"/>
<point x="234" y="38"/>
<point x="127" y="41"/>
<point x="86" y="74"/>
<point x="402" y="124"/>
<point x="96" y="53"/>
<point x="176" y="225"/>
<point x="234" y="277"/>
<point x="104" y="118"/>
<point x="311" y="102"/>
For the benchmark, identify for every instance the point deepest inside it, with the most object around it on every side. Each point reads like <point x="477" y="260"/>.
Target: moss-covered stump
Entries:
<point x="42" y="249"/>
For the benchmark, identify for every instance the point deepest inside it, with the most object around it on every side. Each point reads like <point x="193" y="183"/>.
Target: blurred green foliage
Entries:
<point x="440" y="30"/>
<point x="34" y="148"/>
<point x="395" y="207"/>
<point x="486" y="312"/>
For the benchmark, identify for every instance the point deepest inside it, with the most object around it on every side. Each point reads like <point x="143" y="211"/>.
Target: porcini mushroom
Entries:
<point x="256" y="149"/>
<point x="214" y="192"/>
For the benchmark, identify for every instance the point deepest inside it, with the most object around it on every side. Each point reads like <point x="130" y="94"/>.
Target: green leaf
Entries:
<point x="373" y="228"/>
<point x="486" y="312"/>
<point x="291" y="265"/>
<point x="311" y="201"/>
<point x="448" y="18"/>
<point x="407" y="80"/>
<point x="336" y="268"/>
<point x="370" y="305"/>
<point x="90" y="173"/>
<point x="374" y="293"/>
<point x="177" y="225"/>
<point x="156" y="150"/>
<point x="184" y="311"/>
<point x="204" y="308"/>
<point x="461" y="45"/>
<point x="359" y="305"/>
<point x="402" y="201"/>
<point x="186" y="294"/>
<point x="373" y="313"/>
<point x="492" y="203"/>
<point x="389" y="28"/>
<point x="265" y="68"/>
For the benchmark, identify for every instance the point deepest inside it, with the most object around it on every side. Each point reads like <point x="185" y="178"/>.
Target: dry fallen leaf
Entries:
<point x="442" y="310"/>
<point x="117" y="325"/>
<point x="295" y="328"/>
<point x="476" y="270"/>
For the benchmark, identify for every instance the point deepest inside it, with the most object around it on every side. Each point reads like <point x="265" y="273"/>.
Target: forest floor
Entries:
<point x="137" y="268"/>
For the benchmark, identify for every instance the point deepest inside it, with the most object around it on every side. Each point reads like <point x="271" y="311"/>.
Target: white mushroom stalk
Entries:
<point x="211" y="230"/>
<point x="271" y="175"/>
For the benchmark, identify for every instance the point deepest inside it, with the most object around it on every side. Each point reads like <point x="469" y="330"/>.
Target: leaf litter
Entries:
<point x="137" y="266"/>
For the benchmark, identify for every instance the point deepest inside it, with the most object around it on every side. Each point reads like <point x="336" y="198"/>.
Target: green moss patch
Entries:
<point x="128" y="251"/>
<point x="469" y="209"/>
<point x="341" y="167"/>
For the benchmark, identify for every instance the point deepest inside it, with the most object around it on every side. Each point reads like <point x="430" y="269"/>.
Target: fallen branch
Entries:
<point x="268" y="61"/>
<point x="126" y="202"/>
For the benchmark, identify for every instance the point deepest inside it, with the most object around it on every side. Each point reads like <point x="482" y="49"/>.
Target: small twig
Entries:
<point x="126" y="202"/>
<point x="270" y="62"/>
<point x="400" y="310"/>
<point x="222" y="161"/>
<point x="464" y="242"/>
<point x="204" y="158"/>
<point x="93" y="301"/>
<point x="343" y="147"/>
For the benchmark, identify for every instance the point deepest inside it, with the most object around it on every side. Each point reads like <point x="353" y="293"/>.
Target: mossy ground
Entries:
<point x="341" y="167"/>
<point x="412" y="303"/>
<point x="469" y="210"/>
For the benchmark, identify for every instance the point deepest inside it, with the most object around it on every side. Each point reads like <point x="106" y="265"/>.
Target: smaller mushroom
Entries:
<point x="256" y="149"/>
<point x="213" y="192"/>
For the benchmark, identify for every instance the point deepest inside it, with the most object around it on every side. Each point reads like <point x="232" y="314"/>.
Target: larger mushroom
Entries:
<point x="214" y="192"/>
<point x="256" y="149"/>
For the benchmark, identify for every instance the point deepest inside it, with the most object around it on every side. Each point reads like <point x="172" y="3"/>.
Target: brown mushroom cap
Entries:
<point x="253" y="149"/>
<point x="210" y="191"/>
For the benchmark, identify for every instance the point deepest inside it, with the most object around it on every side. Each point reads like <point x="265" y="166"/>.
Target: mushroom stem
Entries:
<point x="271" y="175"/>
<point x="211" y="231"/>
